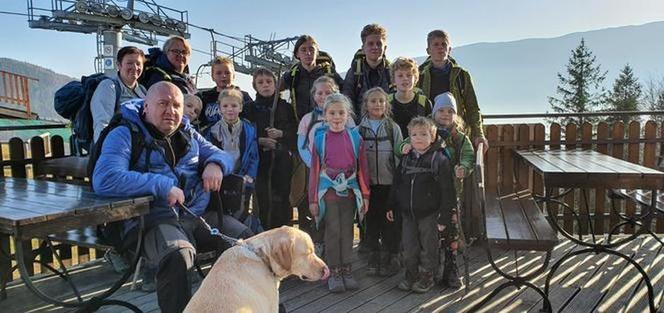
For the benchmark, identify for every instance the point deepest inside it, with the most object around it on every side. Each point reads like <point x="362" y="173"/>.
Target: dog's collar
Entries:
<point x="258" y="254"/>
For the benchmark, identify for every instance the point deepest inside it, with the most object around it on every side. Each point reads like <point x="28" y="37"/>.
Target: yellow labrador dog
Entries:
<point x="246" y="277"/>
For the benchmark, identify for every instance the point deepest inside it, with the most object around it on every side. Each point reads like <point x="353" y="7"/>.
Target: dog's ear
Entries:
<point x="281" y="252"/>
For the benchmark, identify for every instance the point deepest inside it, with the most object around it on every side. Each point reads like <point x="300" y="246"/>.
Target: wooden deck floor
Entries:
<point x="586" y="283"/>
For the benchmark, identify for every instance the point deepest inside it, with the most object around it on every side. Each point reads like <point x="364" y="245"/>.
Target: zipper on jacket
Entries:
<point x="412" y="183"/>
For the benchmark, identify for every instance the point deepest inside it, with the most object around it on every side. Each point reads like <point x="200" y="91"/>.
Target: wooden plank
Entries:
<point x="632" y="156"/>
<point x="617" y="151"/>
<point x="594" y="290"/>
<point x="660" y="221"/>
<point x="543" y="231"/>
<point x="519" y="233"/>
<point x="538" y="143"/>
<point x="600" y="193"/>
<point x="570" y="137"/>
<point x="491" y="160"/>
<point x="627" y="283"/>
<point x="586" y="135"/>
<point x="523" y="143"/>
<point x="654" y="267"/>
<point x="495" y="224"/>
<point x="507" y="160"/>
<point x="17" y="153"/>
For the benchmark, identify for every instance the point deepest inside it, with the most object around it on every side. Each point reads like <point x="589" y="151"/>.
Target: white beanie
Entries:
<point x="444" y="100"/>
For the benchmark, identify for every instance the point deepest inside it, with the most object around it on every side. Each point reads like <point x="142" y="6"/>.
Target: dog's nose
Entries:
<point x="326" y="273"/>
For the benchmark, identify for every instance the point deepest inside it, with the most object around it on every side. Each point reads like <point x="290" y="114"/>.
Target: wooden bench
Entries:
<point x="512" y="221"/>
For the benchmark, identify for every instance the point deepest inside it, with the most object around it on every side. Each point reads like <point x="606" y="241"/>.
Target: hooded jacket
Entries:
<point x="417" y="192"/>
<point x="112" y="176"/>
<point x="163" y="70"/>
<point x="461" y="86"/>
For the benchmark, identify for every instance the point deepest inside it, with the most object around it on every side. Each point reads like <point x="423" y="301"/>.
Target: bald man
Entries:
<point x="168" y="169"/>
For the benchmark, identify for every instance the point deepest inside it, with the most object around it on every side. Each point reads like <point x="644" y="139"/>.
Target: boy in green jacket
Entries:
<point x="440" y="73"/>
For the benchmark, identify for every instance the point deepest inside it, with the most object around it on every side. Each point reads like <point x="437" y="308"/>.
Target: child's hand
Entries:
<point x="274" y="133"/>
<point x="390" y="216"/>
<point x="313" y="208"/>
<point x="405" y="149"/>
<point x="454" y="245"/>
<point x="459" y="171"/>
<point x="267" y="143"/>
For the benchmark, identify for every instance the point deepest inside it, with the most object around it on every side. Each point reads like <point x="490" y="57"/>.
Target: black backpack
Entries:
<point x="72" y="101"/>
<point x="112" y="233"/>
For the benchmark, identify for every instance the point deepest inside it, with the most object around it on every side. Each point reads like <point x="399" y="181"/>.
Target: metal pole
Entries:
<point x="112" y="40"/>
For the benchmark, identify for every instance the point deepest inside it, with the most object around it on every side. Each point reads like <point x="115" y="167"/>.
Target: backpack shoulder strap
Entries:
<point x="422" y="100"/>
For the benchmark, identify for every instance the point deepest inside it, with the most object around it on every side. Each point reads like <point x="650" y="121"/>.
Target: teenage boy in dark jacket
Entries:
<point x="423" y="192"/>
<point x="369" y="68"/>
<point x="278" y="139"/>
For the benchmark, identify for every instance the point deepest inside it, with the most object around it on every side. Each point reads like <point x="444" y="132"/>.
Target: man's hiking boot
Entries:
<point x="373" y="267"/>
<point x="408" y="281"/>
<point x="424" y="284"/>
<point x="336" y="281"/>
<point x="349" y="281"/>
<point x="389" y="265"/>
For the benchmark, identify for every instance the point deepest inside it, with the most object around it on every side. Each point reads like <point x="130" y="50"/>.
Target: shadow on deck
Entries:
<point x="586" y="283"/>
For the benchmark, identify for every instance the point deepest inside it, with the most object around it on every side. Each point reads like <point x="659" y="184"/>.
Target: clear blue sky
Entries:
<point x="336" y="25"/>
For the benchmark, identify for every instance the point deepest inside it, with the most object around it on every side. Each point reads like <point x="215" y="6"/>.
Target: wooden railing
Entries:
<point x="637" y="142"/>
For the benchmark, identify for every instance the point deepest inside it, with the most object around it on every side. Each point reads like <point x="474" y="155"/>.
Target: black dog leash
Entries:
<point x="213" y="230"/>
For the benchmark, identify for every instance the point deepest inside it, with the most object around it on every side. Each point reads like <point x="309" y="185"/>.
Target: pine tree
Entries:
<point x="625" y="94"/>
<point x="580" y="90"/>
<point x="653" y="97"/>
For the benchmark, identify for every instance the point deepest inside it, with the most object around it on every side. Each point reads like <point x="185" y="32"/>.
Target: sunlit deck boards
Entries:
<point x="587" y="283"/>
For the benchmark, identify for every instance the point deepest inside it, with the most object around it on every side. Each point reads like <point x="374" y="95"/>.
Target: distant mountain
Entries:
<point x="518" y="76"/>
<point x="42" y="90"/>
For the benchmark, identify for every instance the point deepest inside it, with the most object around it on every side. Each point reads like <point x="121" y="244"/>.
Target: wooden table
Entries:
<point x="35" y="209"/>
<point x="587" y="169"/>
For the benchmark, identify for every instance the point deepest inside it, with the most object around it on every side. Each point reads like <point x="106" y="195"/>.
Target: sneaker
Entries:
<point x="336" y="281"/>
<point x="373" y="267"/>
<point x="390" y="265"/>
<point x="149" y="276"/>
<point x="349" y="280"/>
<point x="424" y="284"/>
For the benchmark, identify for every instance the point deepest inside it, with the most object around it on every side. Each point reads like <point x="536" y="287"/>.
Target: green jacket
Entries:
<point x="461" y="86"/>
